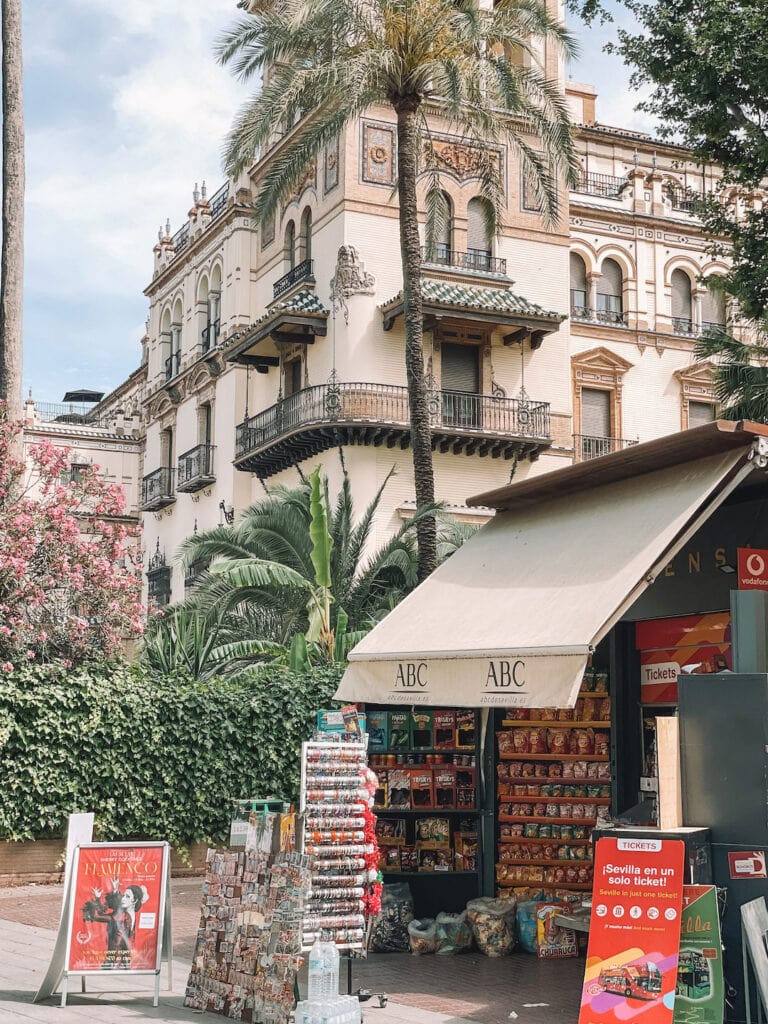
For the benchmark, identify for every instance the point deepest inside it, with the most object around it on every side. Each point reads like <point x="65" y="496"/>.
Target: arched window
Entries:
<point x="173" y="362"/>
<point x="478" y="235"/>
<point x="290" y="245"/>
<point x="202" y="314"/>
<point x="579" y="303"/>
<point x="306" y="235"/>
<point x="214" y="306"/>
<point x="444" y="231"/>
<point x="713" y="316"/>
<point x="682" y="307"/>
<point x="610" y="305"/>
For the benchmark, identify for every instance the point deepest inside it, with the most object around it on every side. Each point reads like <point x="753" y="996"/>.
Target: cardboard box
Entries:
<point x="444" y="730"/>
<point x="422" y="789"/>
<point x="399" y="732"/>
<point x="378" y="731"/>
<point x="390" y="831"/>
<point x="445" y="787"/>
<point x="421" y="729"/>
<point x="465" y="846"/>
<point x="409" y="858"/>
<point x="466" y="730"/>
<point x="381" y="796"/>
<point x="399" y="783"/>
<point x="433" y="833"/>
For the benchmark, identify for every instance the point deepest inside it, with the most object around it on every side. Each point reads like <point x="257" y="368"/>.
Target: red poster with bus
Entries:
<point x="117" y="908"/>
<point x="634" y="936"/>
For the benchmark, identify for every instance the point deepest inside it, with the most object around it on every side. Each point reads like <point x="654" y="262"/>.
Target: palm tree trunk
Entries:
<point x="421" y="433"/>
<point x="12" y="258"/>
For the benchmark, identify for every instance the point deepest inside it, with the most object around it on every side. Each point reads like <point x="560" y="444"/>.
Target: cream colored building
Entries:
<point x="271" y="350"/>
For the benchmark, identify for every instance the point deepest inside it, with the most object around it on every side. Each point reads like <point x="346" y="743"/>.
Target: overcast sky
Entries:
<point x="125" y="111"/>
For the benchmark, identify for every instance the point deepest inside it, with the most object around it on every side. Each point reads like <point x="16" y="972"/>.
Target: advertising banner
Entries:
<point x="634" y="934"/>
<point x="753" y="568"/>
<point x="689" y="644"/>
<point x="117" y="907"/>
<point x="699" y="993"/>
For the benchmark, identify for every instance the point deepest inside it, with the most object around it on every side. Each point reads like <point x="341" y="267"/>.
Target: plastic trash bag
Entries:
<point x="390" y="929"/>
<point x="526" y="925"/>
<point x="493" y="925"/>
<point x="453" y="933"/>
<point x="423" y="936"/>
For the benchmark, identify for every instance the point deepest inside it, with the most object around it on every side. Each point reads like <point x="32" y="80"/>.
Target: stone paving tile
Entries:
<point x="421" y="990"/>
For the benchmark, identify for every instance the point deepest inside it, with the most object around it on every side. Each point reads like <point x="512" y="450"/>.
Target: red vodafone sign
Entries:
<point x="753" y="568"/>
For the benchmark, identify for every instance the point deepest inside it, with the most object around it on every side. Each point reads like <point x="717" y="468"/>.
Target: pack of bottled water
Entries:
<point x="323" y="1004"/>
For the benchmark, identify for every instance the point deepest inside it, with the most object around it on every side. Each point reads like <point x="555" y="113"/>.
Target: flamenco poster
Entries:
<point x="117" y="907"/>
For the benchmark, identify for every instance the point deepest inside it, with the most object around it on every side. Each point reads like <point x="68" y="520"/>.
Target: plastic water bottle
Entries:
<point x="316" y="981"/>
<point x="331" y="964"/>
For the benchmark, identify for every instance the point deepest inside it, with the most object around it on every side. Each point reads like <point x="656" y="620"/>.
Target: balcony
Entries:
<point x="210" y="336"/>
<point x="708" y="327"/>
<point x="173" y="365"/>
<point x="219" y="201"/>
<point x="194" y="571"/>
<point x="303" y="271"/>
<point x="196" y="469"/>
<point x="685" y="200"/>
<point x="318" y="418"/>
<point x="586" y="447"/>
<point x="584" y="314"/>
<point x="684" y="325"/>
<point x="157" y="490"/>
<point x="606" y="186"/>
<point x="475" y="260"/>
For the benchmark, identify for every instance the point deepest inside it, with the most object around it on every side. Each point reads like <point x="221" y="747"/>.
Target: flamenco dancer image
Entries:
<point x="117" y="910"/>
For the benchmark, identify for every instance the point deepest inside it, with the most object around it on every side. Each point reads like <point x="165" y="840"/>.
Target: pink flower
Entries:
<point x="7" y="667"/>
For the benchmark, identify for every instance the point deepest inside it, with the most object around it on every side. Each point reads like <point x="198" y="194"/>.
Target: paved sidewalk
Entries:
<point x="24" y="956"/>
<point x="468" y="989"/>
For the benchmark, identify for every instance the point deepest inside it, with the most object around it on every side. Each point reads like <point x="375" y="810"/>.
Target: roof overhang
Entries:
<point x="522" y="324"/>
<point x="511" y="618"/>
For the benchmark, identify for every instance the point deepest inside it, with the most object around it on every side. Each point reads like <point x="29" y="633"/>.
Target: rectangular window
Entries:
<point x="292" y="377"/>
<point x="77" y="470"/>
<point x="700" y="413"/>
<point x="460" y="372"/>
<point x="528" y="200"/>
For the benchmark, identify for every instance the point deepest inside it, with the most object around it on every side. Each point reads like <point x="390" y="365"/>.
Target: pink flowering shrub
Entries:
<point x="68" y="587"/>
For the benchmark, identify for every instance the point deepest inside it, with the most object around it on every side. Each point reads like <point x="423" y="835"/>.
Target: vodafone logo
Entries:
<point x="753" y="568"/>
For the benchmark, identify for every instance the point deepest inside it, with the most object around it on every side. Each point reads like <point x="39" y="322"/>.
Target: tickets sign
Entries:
<point x="117" y="907"/>
<point x="634" y="935"/>
<point x="700" y="989"/>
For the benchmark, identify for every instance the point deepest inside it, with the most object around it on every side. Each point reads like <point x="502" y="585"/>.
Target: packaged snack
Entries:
<point x="601" y="682"/>
<point x="558" y="741"/>
<point x="466" y="729"/>
<point x="393" y="858"/>
<point x="531" y="830"/>
<point x="517" y="714"/>
<point x="555" y="770"/>
<point x="547" y="714"/>
<point x="537" y="740"/>
<point x="420" y="725"/>
<point x="566" y="832"/>
<point x="454" y="934"/>
<point x="604" y="711"/>
<point x="565" y="714"/>
<point x="399" y="781"/>
<point x="603" y="770"/>
<point x="444" y="860"/>
<point x="545" y="831"/>
<point x="588" y="682"/>
<point x="516" y="829"/>
<point x="568" y="770"/>
<point x="578" y="811"/>
<point x="445" y="786"/>
<point x="589" y="709"/>
<point x="423" y="936"/>
<point x="566" y="810"/>
<point x="399" y="732"/>
<point x="593" y="770"/>
<point x="579" y="832"/>
<point x="493" y="925"/>
<point x="541" y="771"/>
<point x="409" y="858"/>
<point x="378" y="730"/>
<point x="444" y="730"/>
<point x="502" y="769"/>
<point x="545" y="790"/>
<point x="422" y="791"/>
<point x="520" y="741"/>
<point x="582" y="741"/>
<point x="528" y="770"/>
<point x="427" y="860"/>
<point x="580" y="769"/>
<point x="557" y="831"/>
<point x="435" y="831"/>
<point x="602" y="743"/>
<point x="552" y="810"/>
<point x="540" y="810"/>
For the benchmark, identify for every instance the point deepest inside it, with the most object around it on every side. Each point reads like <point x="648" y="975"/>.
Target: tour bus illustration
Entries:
<point x="635" y="981"/>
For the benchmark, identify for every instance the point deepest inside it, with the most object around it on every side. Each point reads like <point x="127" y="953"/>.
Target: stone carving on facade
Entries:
<point x="460" y="159"/>
<point x="331" y="168"/>
<point x="350" y="278"/>
<point x="378" y="154"/>
<point x="307" y="180"/>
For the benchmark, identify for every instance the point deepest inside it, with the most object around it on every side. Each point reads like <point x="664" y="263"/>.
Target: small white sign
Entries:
<point x="146" y="921"/>
<point x="662" y="672"/>
<point x="640" y="845"/>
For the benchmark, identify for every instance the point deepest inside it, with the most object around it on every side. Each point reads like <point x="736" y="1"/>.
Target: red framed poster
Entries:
<point x="117" y="908"/>
<point x="752" y="564"/>
<point x="634" y="935"/>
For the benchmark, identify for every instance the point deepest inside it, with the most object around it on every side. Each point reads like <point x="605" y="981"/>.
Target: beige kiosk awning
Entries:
<point x="510" y="619"/>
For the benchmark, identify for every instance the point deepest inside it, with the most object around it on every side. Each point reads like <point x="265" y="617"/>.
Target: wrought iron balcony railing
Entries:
<point x="316" y="418"/>
<point x="683" y="325"/>
<point x="180" y="240"/>
<point x="586" y="447"/>
<point x="210" y="335"/>
<point x="685" y="200"/>
<point x="173" y="365"/>
<point x="303" y="271"/>
<point x="157" y="490"/>
<point x="604" y="185"/>
<point x="196" y="468"/>
<point x="474" y="259"/>
<point x="709" y="327"/>
<point x="219" y="201"/>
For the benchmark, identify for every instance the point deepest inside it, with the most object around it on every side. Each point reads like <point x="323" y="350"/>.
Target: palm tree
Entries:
<point x="740" y="375"/>
<point x="336" y="58"/>
<point x="12" y="258"/>
<point x="291" y="581"/>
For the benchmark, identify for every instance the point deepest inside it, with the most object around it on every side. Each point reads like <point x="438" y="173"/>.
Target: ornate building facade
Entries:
<point x="270" y="350"/>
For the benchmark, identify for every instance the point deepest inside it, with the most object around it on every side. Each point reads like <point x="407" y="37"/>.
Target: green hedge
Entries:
<point x="154" y="758"/>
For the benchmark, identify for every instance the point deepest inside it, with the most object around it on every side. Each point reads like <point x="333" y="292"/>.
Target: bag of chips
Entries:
<point x="493" y="925"/>
<point x="453" y="933"/>
<point x="423" y="936"/>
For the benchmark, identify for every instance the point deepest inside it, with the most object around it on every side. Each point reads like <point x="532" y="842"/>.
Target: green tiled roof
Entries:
<point x="492" y="300"/>
<point x="300" y="302"/>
